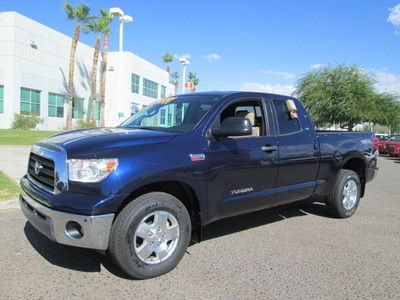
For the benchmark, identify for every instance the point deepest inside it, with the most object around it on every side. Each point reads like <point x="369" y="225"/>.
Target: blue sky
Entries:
<point x="262" y="44"/>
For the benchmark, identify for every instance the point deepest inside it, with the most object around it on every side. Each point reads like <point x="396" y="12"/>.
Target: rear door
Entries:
<point x="298" y="153"/>
<point x="241" y="171"/>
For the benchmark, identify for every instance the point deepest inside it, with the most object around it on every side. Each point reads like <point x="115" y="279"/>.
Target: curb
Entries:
<point x="9" y="204"/>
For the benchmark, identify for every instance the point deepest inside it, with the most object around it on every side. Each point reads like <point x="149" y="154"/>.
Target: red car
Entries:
<point x="391" y="144"/>
<point x="396" y="152"/>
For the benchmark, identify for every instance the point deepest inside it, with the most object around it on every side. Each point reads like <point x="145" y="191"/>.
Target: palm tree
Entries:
<point x="168" y="58"/>
<point x="80" y="15"/>
<point x="106" y="18"/>
<point x="193" y="78"/>
<point x="175" y="81"/>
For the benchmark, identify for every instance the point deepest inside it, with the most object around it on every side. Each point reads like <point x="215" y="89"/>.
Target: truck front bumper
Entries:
<point x="66" y="228"/>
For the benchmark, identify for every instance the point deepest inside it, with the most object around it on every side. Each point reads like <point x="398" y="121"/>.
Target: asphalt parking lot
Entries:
<point x="294" y="251"/>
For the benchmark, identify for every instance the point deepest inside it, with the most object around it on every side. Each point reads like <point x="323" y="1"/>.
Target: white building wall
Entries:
<point x="35" y="56"/>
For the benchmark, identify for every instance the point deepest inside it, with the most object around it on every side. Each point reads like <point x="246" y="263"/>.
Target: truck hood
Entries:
<point x="86" y="142"/>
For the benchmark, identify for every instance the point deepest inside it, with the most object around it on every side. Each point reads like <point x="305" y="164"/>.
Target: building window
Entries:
<point x="150" y="88"/>
<point x="1" y="99"/>
<point x="163" y="92"/>
<point x="97" y="111"/>
<point x="134" y="108"/>
<point x="162" y="116"/>
<point x="30" y="101"/>
<point x="135" y="83"/>
<point x="56" y="105"/>
<point x="77" y="108"/>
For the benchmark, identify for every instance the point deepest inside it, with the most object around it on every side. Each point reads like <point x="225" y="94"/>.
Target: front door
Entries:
<point x="242" y="171"/>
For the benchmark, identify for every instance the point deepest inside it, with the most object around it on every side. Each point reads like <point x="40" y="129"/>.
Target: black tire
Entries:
<point x="121" y="241"/>
<point x="334" y="201"/>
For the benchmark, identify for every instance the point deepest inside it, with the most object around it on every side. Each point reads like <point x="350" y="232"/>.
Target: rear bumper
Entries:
<point x="94" y="230"/>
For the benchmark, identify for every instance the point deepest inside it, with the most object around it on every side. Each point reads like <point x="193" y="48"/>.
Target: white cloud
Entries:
<point x="394" y="15"/>
<point x="212" y="57"/>
<point x="268" y="88"/>
<point x="316" y="66"/>
<point x="187" y="56"/>
<point x="283" y="74"/>
<point x="387" y="82"/>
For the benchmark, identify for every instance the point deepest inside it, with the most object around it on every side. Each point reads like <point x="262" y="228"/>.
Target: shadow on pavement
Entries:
<point x="79" y="259"/>
<point x="263" y="217"/>
<point x="86" y="260"/>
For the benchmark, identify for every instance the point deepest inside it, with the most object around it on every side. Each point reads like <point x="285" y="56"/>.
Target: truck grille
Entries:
<point x="44" y="173"/>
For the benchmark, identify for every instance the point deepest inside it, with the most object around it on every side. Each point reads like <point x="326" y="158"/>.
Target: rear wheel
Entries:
<point x="343" y="202"/>
<point x="150" y="235"/>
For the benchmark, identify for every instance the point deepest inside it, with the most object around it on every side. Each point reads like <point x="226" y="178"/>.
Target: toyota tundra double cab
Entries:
<point x="145" y="189"/>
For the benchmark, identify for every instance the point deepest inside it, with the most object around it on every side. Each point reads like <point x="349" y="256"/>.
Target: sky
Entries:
<point x="249" y="45"/>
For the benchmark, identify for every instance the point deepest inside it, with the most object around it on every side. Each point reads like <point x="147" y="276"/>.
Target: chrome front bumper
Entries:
<point x="95" y="230"/>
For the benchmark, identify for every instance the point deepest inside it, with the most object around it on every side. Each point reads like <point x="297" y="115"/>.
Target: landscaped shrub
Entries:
<point x="25" y="121"/>
<point x="85" y="124"/>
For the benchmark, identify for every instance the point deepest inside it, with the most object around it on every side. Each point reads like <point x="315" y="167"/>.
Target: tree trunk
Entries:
<point x="70" y="91"/>
<point x="168" y="67"/>
<point x="350" y="126"/>
<point x="176" y="87"/>
<point x="103" y="79"/>
<point x="93" y="97"/>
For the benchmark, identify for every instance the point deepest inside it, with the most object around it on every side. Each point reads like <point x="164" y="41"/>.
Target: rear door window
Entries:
<point x="286" y="124"/>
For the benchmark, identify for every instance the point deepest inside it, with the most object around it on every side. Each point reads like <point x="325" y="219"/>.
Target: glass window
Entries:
<point x="150" y="88"/>
<point x="97" y="111"/>
<point x="134" y="108"/>
<point x="77" y="108"/>
<point x="56" y="105"/>
<point x="285" y="122"/>
<point x="30" y="101"/>
<point x="163" y="92"/>
<point x="135" y="79"/>
<point x="175" y="114"/>
<point x="1" y="99"/>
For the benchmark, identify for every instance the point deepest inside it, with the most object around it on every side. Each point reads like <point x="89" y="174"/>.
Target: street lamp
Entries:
<point x="116" y="11"/>
<point x="184" y="61"/>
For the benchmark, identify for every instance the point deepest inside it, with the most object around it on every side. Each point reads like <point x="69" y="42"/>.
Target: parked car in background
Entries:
<point x="382" y="144"/>
<point x="396" y="152"/>
<point x="382" y="136"/>
<point x="391" y="144"/>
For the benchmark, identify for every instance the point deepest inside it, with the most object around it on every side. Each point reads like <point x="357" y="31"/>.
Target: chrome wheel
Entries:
<point x="156" y="237"/>
<point x="350" y="193"/>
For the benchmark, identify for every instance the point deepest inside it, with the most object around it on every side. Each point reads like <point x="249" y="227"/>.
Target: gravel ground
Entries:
<point x="295" y="251"/>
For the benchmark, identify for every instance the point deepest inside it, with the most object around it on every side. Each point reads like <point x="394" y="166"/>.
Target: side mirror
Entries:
<point x="234" y="126"/>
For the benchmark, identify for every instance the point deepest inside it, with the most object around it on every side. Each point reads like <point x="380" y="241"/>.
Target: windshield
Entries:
<point x="395" y="138"/>
<point x="175" y="114"/>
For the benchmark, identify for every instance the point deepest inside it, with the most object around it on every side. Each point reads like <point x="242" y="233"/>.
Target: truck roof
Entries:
<point x="236" y="93"/>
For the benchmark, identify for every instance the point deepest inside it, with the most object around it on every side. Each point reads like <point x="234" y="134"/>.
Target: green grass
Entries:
<point x="8" y="188"/>
<point x="23" y="137"/>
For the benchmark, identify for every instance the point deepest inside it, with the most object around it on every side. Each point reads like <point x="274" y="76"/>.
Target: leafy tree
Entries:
<point x="387" y="111"/>
<point x="80" y="15"/>
<point x="193" y="78"/>
<point x="106" y="19"/>
<point x="341" y="94"/>
<point x="168" y="58"/>
<point x="175" y="81"/>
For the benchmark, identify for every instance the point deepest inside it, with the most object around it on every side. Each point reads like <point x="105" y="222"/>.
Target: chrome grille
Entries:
<point x="45" y="177"/>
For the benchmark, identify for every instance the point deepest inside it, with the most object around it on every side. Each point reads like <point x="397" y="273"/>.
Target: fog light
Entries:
<point x="74" y="230"/>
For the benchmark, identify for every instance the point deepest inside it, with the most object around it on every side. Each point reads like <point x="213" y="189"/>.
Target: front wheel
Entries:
<point x="150" y="235"/>
<point x="343" y="202"/>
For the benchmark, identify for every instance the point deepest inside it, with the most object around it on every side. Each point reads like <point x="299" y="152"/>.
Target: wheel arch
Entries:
<point x="358" y="165"/>
<point x="181" y="190"/>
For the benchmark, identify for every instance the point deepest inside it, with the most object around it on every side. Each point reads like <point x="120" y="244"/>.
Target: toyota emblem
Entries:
<point x="37" y="168"/>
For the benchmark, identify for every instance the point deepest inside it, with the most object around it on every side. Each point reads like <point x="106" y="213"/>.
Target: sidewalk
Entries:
<point x="14" y="160"/>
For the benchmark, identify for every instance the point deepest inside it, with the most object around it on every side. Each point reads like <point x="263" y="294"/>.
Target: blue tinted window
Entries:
<point x="285" y="122"/>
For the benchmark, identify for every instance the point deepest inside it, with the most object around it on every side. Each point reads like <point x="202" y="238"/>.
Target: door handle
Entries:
<point x="269" y="148"/>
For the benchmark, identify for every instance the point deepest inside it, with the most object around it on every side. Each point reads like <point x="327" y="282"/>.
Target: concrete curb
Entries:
<point x="9" y="204"/>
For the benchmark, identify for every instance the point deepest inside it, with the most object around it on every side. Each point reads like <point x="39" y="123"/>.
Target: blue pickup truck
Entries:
<point x="145" y="189"/>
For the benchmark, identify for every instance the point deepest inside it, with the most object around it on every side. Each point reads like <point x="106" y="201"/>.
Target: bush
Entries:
<point x="85" y="124"/>
<point x="25" y="122"/>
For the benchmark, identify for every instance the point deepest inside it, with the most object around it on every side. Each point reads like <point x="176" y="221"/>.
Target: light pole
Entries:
<point x="117" y="12"/>
<point x="184" y="61"/>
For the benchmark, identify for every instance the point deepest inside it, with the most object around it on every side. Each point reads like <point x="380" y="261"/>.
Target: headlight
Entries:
<point x="91" y="170"/>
